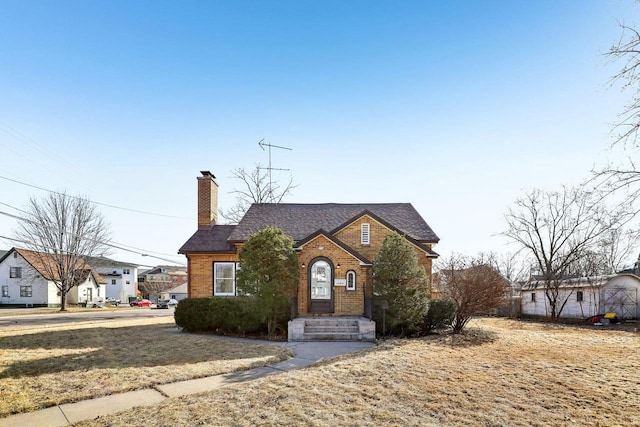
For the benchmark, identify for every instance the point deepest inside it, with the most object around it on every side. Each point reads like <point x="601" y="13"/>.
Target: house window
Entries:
<point x="364" y="234"/>
<point x="579" y="296"/>
<point x="128" y="282"/>
<point x="125" y="271"/>
<point x="5" y="291"/>
<point x="224" y="278"/>
<point x="113" y="281"/>
<point x="351" y="280"/>
<point x="15" y="272"/>
<point x="25" y="291"/>
<point x="533" y="297"/>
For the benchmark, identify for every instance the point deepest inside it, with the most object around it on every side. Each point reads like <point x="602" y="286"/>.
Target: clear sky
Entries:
<point x="455" y="106"/>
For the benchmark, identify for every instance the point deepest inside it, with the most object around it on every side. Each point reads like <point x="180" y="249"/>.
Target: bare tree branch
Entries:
<point x="63" y="232"/>
<point x="255" y="188"/>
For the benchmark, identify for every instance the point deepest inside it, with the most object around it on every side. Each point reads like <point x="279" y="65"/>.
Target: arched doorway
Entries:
<point x="320" y="276"/>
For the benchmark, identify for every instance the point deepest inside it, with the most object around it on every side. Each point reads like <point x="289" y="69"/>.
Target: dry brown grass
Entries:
<point x="500" y="373"/>
<point x="41" y="367"/>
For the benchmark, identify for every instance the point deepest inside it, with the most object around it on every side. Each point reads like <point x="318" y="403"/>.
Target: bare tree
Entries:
<point x="617" y="246"/>
<point x="625" y="177"/>
<point x="555" y="229"/>
<point x="153" y="287"/>
<point x="627" y="51"/>
<point x="474" y="284"/>
<point x="63" y="231"/>
<point x="255" y="187"/>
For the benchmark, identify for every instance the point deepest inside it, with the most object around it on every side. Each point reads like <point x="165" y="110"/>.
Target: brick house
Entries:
<point x="336" y="245"/>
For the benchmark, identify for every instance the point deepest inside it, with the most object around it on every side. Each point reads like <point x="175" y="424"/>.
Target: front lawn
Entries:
<point x="65" y="363"/>
<point x="499" y="373"/>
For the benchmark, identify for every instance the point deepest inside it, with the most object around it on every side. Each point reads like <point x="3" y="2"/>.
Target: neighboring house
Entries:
<point x="179" y="292"/>
<point x="587" y="296"/>
<point x="121" y="277"/>
<point x="336" y="245"/>
<point x="2" y="253"/>
<point x="169" y="275"/>
<point x="158" y="280"/>
<point x="25" y="283"/>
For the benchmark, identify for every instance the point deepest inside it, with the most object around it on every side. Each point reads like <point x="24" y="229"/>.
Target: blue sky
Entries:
<point x="457" y="107"/>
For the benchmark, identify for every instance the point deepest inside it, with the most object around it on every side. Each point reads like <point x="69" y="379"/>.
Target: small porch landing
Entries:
<point x="344" y="328"/>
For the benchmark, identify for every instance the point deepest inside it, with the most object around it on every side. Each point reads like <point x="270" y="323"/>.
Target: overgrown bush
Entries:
<point x="399" y="280"/>
<point x="440" y="314"/>
<point x="221" y="315"/>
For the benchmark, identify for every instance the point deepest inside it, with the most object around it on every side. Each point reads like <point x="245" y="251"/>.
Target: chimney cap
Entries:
<point x="207" y="173"/>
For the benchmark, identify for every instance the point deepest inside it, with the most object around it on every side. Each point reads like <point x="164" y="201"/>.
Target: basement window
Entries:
<point x="365" y="234"/>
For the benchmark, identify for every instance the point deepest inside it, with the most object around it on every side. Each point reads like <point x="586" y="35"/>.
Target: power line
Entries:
<point x="138" y="251"/>
<point x="146" y="251"/>
<point x="96" y="203"/>
<point x="106" y="244"/>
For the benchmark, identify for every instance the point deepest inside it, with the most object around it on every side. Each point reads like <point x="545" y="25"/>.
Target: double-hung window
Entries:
<point x="224" y="278"/>
<point x="15" y="272"/>
<point x="26" y="291"/>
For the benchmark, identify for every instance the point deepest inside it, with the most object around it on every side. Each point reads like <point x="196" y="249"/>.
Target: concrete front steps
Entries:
<point x="332" y="329"/>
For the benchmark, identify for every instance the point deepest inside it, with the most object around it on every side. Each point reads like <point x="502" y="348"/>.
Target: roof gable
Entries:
<point x="335" y="241"/>
<point x="302" y="220"/>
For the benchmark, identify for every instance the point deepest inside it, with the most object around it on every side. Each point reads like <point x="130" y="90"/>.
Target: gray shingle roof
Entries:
<point x="301" y="220"/>
<point x="214" y="239"/>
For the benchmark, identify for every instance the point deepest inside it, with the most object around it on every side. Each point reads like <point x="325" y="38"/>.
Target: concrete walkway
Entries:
<point x="306" y="353"/>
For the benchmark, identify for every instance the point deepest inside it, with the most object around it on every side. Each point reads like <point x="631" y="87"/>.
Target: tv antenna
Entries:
<point x="270" y="168"/>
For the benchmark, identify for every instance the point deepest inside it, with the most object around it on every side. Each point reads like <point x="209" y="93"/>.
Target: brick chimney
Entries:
<point x="207" y="200"/>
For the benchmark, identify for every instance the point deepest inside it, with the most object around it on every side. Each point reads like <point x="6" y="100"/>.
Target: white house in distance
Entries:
<point x="586" y="297"/>
<point x="121" y="277"/>
<point x="24" y="282"/>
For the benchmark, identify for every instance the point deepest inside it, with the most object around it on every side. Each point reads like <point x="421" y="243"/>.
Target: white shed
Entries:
<point x="585" y="297"/>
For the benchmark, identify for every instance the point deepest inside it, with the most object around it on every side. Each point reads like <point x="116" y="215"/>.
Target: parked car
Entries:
<point x="140" y="303"/>
<point x="112" y="301"/>
<point x="166" y="303"/>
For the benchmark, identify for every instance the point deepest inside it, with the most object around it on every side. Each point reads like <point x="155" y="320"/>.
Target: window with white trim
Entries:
<point x="26" y="291"/>
<point x="113" y="281"/>
<point x="365" y="234"/>
<point x="351" y="280"/>
<point x="224" y="278"/>
<point x="15" y="272"/>
<point x="5" y="291"/>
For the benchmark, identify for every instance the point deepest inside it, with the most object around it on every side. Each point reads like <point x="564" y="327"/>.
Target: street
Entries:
<point x="8" y="317"/>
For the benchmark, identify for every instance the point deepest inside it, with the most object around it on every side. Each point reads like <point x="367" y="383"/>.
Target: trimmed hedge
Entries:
<point x="222" y="315"/>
